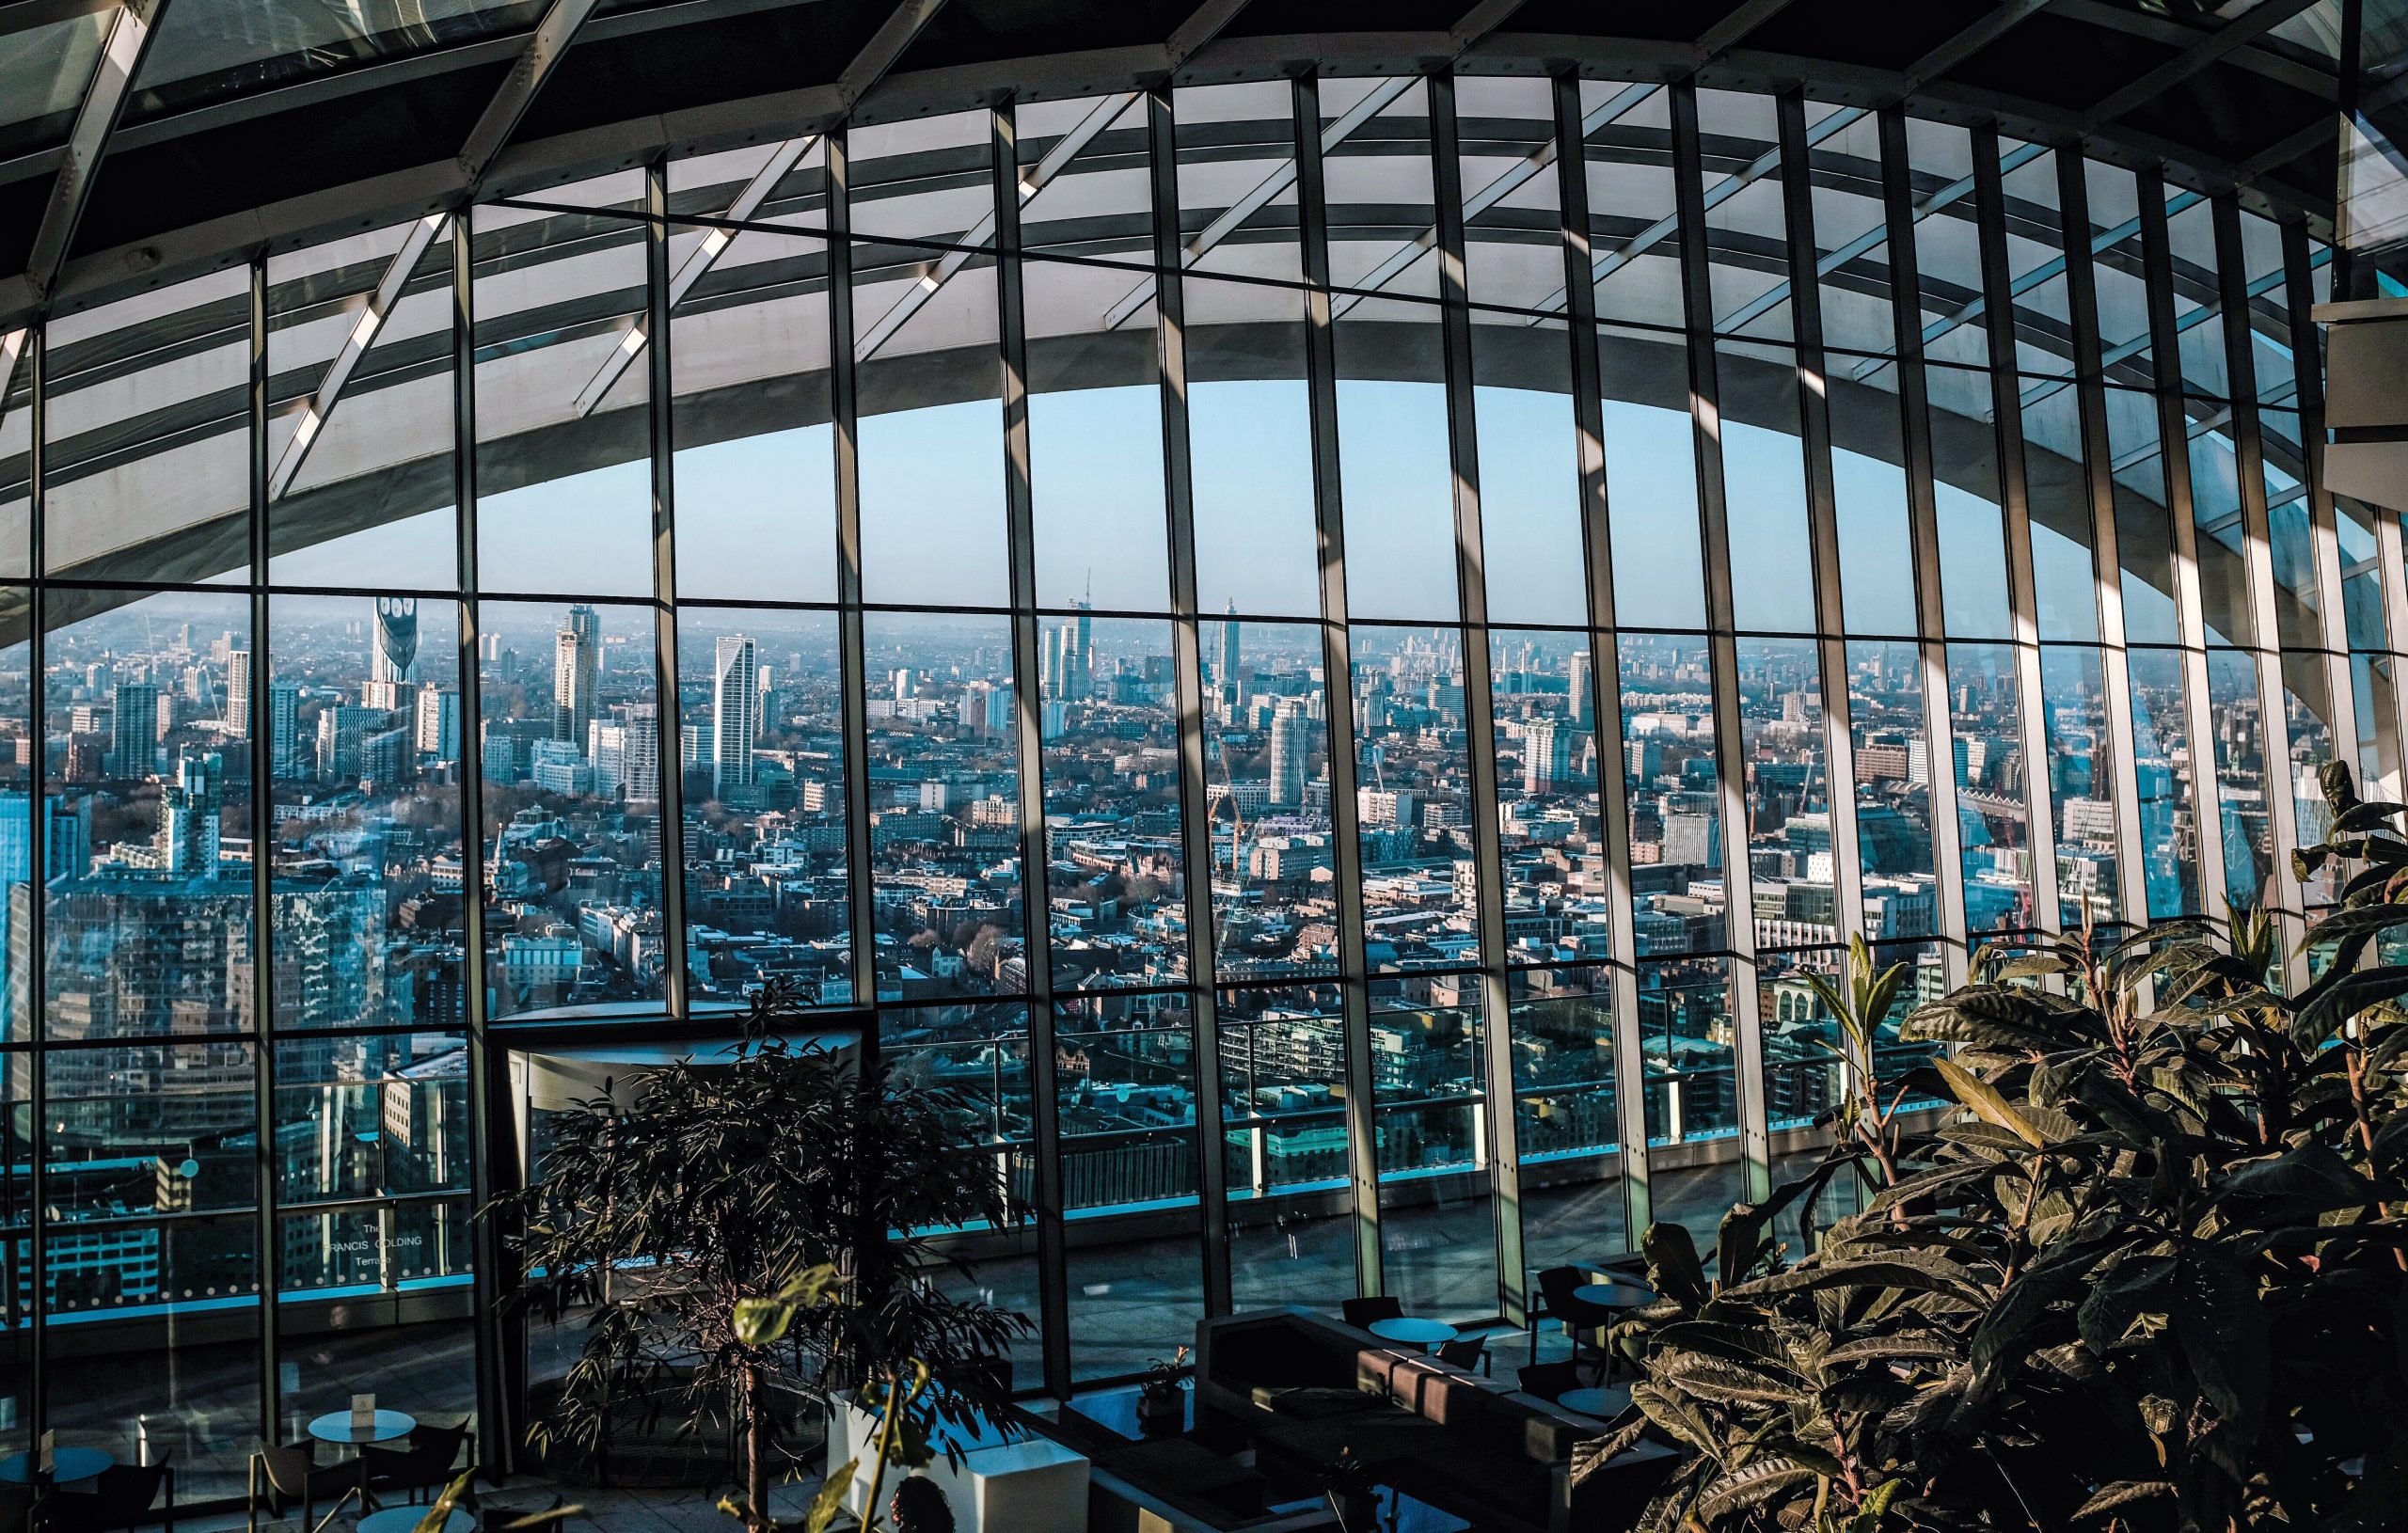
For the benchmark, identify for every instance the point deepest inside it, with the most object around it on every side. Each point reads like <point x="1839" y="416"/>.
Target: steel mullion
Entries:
<point x="1923" y="524"/>
<point x="1196" y="832"/>
<point x="1480" y="708"/>
<point x="1822" y="519"/>
<point x="2207" y="793"/>
<point x="1337" y="688"/>
<point x="35" y="1021"/>
<point x="2307" y="375"/>
<point x="1738" y="884"/>
<point x="2240" y="375"/>
<point x="2015" y="503"/>
<point x="1052" y="1264"/>
<point x="501" y="1368"/>
<point x="1605" y="655"/>
<point x="2115" y="679"/>
<point x="667" y="706"/>
<point x="844" y="410"/>
<point x="262" y="983"/>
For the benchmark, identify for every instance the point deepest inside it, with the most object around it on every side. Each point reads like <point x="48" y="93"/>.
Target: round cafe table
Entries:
<point x="1412" y="1331"/>
<point x="406" y="1519"/>
<point x="69" y="1465"/>
<point x="1613" y="1295"/>
<point x="1604" y="1404"/>
<point x="335" y="1426"/>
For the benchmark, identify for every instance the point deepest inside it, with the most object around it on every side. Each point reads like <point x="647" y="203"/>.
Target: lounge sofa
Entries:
<point x="1305" y="1389"/>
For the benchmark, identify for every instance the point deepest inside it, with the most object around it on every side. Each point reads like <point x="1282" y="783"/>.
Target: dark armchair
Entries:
<point x="430" y="1462"/>
<point x="122" y="1497"/>
<point x="1560" y="1285"/>
<point x="1360" y="1313"/>
<point x="284" y="1479"/>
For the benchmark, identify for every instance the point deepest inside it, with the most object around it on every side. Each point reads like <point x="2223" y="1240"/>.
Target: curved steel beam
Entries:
<point x="128" y="44"/>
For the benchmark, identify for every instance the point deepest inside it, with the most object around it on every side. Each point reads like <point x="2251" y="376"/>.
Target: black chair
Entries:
<point x="1469" y="1353"/>
<point x="1360" y="1313"/>
<point x="122" y="1497"/>
<point x="428" y="1464"/>
<point x="1558" y="1285"/>
<point x="286" y="1478"/>
<point x="16" y="1506"/>
<point x="1548" y="1381"/>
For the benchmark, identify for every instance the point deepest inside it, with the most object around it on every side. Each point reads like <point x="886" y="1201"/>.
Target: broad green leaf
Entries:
<point x="1985" y="1103"/>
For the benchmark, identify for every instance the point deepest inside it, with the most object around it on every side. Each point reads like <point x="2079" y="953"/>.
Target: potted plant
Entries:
<point x="1353" y="1496"/>
<point x="729" y="1232"/>
<point x="1161" y="1403"/>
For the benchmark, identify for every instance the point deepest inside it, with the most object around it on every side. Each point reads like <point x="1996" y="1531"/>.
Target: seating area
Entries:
<point x="397" y="1461"/>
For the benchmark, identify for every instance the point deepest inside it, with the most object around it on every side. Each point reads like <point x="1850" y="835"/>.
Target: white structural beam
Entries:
<point x="554" y="34"/>
<point x="2216" y="45"/>
<point x="123" y="52"/>
<point x="355" y="347"/>
<point x="886" y="46"/>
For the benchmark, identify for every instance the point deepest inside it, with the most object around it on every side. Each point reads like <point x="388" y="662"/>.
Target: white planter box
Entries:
<point x="1014" y="1483"/>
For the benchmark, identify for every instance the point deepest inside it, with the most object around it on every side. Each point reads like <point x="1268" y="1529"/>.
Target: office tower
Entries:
<point x="1584" y="691"/>
<point x="238" y="693"/>
<point x="733" y="719"/>
<point x="577" y="673"/>
<point x="1078" y="682"/>
<point x="133" y="746"/>
<point x="438" y="724"/>
<point x="396" y="645"/>
<point x="284" y="729"/>
<point x="340" y="730"/>
<point x="642" y="721"/>
<point x="191" y="811"/>
<point x="903" y="685"/>
<point x="1231" y="652"/>
<point x="1547" y="756"/>
<point x="1290" y="743"/>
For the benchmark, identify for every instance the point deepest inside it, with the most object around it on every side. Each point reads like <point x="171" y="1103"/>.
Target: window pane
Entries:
<point x="564" y="481"/>
<point x="944" y="807"/>
<point x="762" y="748"/>
<point x="1250" y="449"/>
<point x="150" y="908"/>
<point x="1892" y="755"/>
<point x="1529" y="473"/>
<point x="1634" y="216"/>
<point x="2166" y="784"/>
<point x="1283" y="1059"/>
<point x="1567" y="1125"/>
<point x="1397" y="477"/>
<point x="2081" y="787"/>
<point x="1237" y="178"/>
<point x="1413" y="791"/>
<point x="1675" y="795"/>
<point x="572" y="804"/>
<point x="1513" y="222"/>
<point x="1695" y="1170"/>
<point x="1651" y="482"/>
<point x="1789" y="803"/>
<point x="1114" y="878"/>
<point x="361" y="440"/>
<point x="1095" y="429"/>
<point x="1764" y="480"/>
<point x="1556" y="890"/>
<point x="1993" y="830"/>
<point x="1437" y="1218"/>
<point x="1266" y="774"/>
<point x="363" y="713"/>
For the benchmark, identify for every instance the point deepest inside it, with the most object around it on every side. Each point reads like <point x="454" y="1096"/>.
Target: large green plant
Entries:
<point x="2150" y="1279"/>
<point x="751" y="1239"/>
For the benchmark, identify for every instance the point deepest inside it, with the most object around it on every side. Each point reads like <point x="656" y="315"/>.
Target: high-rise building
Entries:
<point x="1291" y="745"/>
<point x="340" y="730"/>
<point x="133" y="746"/>
<point x="733" y="717"/>
<point x="438" y="724"/>
<point x="191" y="812"/>
<point x="238" y="693"/>
<point x="577" y="673"/>
<point x="284" y="729"/>
<point x="396" y="647"/>
<point x="1584" y="691"/>
<point x="1232" y="653"/>
<point x="1547" y="756"/>
<point x="643" y="724"/>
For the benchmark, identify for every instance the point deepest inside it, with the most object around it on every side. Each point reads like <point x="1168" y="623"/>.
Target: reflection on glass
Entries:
<point x="148" y="829"/>
<point x="1633" y="225"/>
<point x="1567" y="1123"/>
<point x="2081" y="787"/>
<point x="760" y="754"/>
<point x="1687" y="1054"/>
<point x="1993" y="835"/>
<point x="1283" y="1063"/>
<point x="1438" y="1230"/>
<point x="2247" y="831"/>
<point x="2164" y="784"/>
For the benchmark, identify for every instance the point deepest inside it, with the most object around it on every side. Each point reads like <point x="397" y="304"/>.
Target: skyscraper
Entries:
<point x="1229" y="650"/>
<point x="238" y="693"/>
<point x="1583" y="691"/>
<point x="438" y="724"/>
<point x="191" y="811"/>
<point x="396" y="647"/>
<point x="577" y="675"/>
<point x="284" y="729"/>
<point x="1290" y="746"/>
<point x="643" y="753"/>
<point x="733" y="716"/>
<point x="133" y="743"/>
<point x="1547" y="757"/>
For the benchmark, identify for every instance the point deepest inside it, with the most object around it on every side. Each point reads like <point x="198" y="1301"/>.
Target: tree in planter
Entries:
<point x="2153" y="1282"/>
<point x="785" y="1175"/>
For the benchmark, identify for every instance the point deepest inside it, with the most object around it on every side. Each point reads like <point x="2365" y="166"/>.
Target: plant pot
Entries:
<point x="1161" y="1412"/>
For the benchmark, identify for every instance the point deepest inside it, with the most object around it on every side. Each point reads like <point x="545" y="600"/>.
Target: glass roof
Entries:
<point x="207" y="49"/>
<point x="43" y="70"/>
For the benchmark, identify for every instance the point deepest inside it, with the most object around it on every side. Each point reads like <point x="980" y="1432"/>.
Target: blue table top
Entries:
<point x="70" y="1464"/>
<point x="335" y="1426"/>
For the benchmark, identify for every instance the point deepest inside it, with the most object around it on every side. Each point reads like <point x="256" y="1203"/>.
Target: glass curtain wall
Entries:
<point x="1125" y="600"/>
